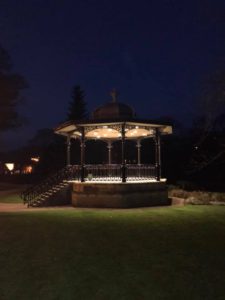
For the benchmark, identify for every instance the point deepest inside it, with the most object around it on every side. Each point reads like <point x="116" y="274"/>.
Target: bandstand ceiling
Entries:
<point x="133" y="130"/>
<point x="110" y="133"/>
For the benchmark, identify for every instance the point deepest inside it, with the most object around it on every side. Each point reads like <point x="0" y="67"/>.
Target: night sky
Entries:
<point x="156" y="53"/>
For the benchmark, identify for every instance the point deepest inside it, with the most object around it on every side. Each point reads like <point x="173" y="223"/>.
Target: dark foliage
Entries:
<point x="11" y="85"/>
<point x="77" y="106"/>
<point x="207" y="160"/>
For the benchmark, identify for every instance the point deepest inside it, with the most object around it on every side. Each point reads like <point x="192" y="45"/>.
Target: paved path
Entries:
<point x="11" y="207"/>
<point x="19" y="207"/>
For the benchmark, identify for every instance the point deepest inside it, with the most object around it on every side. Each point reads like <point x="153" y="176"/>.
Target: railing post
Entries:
<point x="123" y="153"/>
<point x="68" y="145"/>
<point x="157" y="154"/>
<point x="82" y="155"/>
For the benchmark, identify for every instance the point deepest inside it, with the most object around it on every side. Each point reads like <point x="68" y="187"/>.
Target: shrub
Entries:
<point x="197" y="197"/>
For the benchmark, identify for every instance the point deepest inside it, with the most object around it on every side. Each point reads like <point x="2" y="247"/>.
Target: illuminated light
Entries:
<point x="135" y="131"/>
<point x="119" y="134"/>
<point x="105" y="126"/>
<point x="126" y="129"/>
<point x="144" y="134"/>
<point x="28" y="170"/>
<point x="35" y="159"/>
<point x="110" y="129"/>
<point x="98" y="137"/>
<point x="95" y="133"/>
<point x="136" y="127"/>
<point x="77" y="133"/>
<point x="10" y="166"/>
<point x="105" y="134"/>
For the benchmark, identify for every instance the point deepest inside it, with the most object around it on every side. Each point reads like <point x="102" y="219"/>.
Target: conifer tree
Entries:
<point x="77" y="106"/>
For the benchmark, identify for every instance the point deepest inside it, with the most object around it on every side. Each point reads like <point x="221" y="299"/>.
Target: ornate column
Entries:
<point x="157" y="154"/>
<point x="123" y="170"/>
<point x="82" y="154"/>
<point x="68" y="153"/>
<point x="109" y="146"/>
<point x="138" y="151"/>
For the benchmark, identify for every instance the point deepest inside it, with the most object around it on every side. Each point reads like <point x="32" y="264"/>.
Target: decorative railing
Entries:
<point x="114" y="172"/>
<point x="140" y="172"/>
<point x="91" y="173"/>
<point x="103" y="172"/>
<point x="35" y="191"/>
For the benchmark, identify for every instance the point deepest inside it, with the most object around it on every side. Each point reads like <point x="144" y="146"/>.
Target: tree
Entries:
<point x="50" y="148"/>
<point x="11" y="85"/>
<point x="77" y="106"/>
<point x="43" y="138"/>
<point x="209" y="129"/>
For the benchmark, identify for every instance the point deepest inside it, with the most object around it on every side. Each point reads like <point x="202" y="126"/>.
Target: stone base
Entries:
<point x="119" y="195"/>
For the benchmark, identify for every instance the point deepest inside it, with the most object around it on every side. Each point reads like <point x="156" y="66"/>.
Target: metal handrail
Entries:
<point x="114" y="172"/>
<point x="35" y="191"/>
<point x="140" y="172"/>
<point x="103" y="172"/>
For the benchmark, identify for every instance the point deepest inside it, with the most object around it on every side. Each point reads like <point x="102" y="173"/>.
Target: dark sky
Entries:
<point x="155" y="53"/>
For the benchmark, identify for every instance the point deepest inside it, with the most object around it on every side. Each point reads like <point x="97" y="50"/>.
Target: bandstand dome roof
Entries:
<point x="113" y="110"/>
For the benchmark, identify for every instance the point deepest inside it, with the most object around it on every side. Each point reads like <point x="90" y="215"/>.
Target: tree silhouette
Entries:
<point x="209" y="128"/>
<point x="77" y="106"/>
<point x="11" y="85"/>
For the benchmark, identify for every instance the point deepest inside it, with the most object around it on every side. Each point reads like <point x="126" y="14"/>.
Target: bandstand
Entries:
<point x="115" y="184"/>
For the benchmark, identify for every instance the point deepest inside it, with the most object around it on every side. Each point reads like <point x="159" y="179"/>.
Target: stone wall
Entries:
<point x="119" y="195"/>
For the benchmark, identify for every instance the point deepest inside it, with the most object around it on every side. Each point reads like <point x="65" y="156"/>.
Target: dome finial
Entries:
<point x="114" y="93"/>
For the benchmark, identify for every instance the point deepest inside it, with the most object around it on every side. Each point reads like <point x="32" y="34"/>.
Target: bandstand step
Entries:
<point x="44" y="198"/>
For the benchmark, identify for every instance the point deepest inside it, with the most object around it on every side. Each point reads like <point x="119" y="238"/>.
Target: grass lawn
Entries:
<point x="157" y="253"/>
<point x="10" y="193"/>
